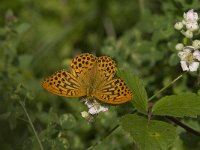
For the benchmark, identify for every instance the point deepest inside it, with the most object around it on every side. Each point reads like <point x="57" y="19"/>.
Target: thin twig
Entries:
<point x="22" y="119"/>
<point x="187" y="128"/>
<point x="161" y="90"/>
<point x="31" y="124"/>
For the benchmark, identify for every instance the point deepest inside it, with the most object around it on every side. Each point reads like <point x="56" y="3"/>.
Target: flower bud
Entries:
<point x="84" y="114"/>
<point x="178" y="26"/>
<point x="179" y="46"/>
<point x="188" y="34"/>
<point x="196" y="44"/>
<point x="192" y="26"/>
<point x="87" y="116"/>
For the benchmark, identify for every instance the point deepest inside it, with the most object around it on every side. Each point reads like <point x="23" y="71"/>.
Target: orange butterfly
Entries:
<point x="91" y="77"/>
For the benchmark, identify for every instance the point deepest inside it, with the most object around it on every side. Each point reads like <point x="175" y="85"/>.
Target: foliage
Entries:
<point x="136" y="85"/>
<point x="149" y="135"/>
<point x="38" y="38"/>
<point x="181" y="105"/>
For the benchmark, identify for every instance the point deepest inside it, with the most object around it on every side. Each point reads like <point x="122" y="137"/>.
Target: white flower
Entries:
<point x="189" y="58"/>
<point x="95" y="107"/>
<point x="190" y="16"/>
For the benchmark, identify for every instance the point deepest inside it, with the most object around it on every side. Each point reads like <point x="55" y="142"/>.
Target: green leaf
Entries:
<point x="174" y="60"/>
<point x="149" y="134"/>
<point x="25" y="60"/>
<point x="140" y="98"/>
<point x="22" y="28"/>
<point x="187" y="104"/>
<point x="67" y="121"/>
<point x="5" y="116"/>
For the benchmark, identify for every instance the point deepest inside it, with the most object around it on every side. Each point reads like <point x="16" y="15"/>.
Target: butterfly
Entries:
<point x="92" y="77"/>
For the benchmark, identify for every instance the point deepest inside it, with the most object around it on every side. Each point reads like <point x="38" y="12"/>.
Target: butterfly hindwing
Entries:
<point x="63" y="83"/>
<point x="114" y="92"/>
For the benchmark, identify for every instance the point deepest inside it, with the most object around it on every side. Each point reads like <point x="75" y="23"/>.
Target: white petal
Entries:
<point x="184" y="66"/>
<point x="93" y="111"/>
<point x="194" y="66"/>
<point x="95" y="107"/>
<point x="188" y="49"/>
<point x="190" y="16"/>
<point x="183" y="54"/>
<point x="103" y="108"/>
<point x="89" y="104"/>
<point x="197" y="54"/>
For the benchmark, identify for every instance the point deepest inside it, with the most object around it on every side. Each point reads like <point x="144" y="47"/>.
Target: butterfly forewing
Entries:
<point x="82" y="63"/>
<point x="114" y="92"/>
<point x="63" y="83"/>
<point x="106" y="67"/>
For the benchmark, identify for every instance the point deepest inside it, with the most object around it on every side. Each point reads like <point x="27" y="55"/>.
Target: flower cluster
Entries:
<point x="94" y="107"/>
<point x="189" y="24"/>
<point x="189" y="54"/>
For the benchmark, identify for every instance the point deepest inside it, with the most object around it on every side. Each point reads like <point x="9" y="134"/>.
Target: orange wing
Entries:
<point x="85" y="68"/>
<point x="63" y="83"/>
<point x="82" y="63"/>
<point x="106" y="67"/>
<point x="114" y="92"/>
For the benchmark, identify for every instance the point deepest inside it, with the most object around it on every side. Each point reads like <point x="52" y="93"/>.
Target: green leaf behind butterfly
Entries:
<point x="140" y="99"/>
<point x="148" y="134"/>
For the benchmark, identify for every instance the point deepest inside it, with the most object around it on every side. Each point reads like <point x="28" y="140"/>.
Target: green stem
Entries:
<point x="22" y="119"/>
<point x="161" y="90"/>
<point x="184" y="126"/>
<point x="31" y="124"/>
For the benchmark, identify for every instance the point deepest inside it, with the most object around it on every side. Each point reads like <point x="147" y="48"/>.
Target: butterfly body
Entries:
<point x="91" y="77"/>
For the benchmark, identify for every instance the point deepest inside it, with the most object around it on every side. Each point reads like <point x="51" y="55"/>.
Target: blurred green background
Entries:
<point x="38" y="38"/>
